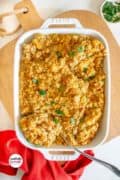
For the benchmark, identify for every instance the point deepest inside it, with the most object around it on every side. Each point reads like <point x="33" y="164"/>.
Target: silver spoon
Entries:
<point x="111" y="167"/>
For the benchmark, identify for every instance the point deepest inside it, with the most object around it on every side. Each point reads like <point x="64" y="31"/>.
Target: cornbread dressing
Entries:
<point x="62" y="84"/>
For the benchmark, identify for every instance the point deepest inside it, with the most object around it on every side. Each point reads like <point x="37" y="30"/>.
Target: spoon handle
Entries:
<point x="111" y="167"/>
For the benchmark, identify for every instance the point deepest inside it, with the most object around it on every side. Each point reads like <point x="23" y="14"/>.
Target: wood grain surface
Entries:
<point x="88" y="20"/>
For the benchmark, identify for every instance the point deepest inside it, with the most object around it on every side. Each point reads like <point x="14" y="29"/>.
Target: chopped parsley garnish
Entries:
<point x="111" y="11"/>
<point x="58" y="54"/>
<point x="59" y="112"/>
<point x="56" y="121"/>
<point x="42" y="92"/>
<point x="71" y="53"/>
<point x="52" y="102"/>
<point x="85" y="69"/>
<point x="89" y="78"/>
<point x="72" y="120"/>
<point x="81" y="49"/>
<point x="35" y="81"/>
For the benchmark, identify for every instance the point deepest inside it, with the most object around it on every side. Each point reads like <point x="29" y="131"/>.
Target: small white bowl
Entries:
<point x="101" y="13"/>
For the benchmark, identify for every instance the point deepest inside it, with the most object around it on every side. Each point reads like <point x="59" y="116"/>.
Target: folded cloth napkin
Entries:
<point x="34" y="164"/>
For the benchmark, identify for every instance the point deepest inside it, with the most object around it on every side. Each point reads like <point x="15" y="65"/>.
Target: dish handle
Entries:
<point x="61" y="21"/>
<point x="60" y="155"/>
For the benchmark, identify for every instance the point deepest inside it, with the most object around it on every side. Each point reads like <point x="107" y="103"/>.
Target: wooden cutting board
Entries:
<point x="88" y="19"/>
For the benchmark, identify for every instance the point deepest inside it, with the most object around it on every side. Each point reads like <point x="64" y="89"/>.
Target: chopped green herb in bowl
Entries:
<point x="110" y="11"/>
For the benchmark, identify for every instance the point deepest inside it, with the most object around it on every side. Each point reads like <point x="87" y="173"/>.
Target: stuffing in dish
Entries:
<point x="62" y="83"/>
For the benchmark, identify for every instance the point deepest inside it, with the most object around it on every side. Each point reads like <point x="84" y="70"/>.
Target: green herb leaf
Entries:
<point x="52" y="102"/>
<point x="114" y="10"/>
<point x="85" y="69"/>
<point x="58" y="54"/>
<point x="56" y="121"/>
<point x="117" y="3"/>
<point x="59" y="112"/>
<point x="91" y="77"/>
<point x="107" y="7"/>
<point x="108" y="17"/>
<point x="81" y="49"/>
<point x="71" y="53"/>
<point x="116" y="18"/>
<point x="42" y="92"/>
<point x="72" y="120"/>
<point x="111" y="11"/>
<point x="35" y="81"/>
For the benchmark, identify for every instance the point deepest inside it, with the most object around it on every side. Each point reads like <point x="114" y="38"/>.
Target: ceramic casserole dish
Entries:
<point x="62" y="153"/>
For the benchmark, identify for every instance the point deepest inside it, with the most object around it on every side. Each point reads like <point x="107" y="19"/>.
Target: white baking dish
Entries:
<point x="103" y="131"/>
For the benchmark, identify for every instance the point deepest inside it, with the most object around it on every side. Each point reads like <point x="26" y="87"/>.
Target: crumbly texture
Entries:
<point x="62" y="83"/>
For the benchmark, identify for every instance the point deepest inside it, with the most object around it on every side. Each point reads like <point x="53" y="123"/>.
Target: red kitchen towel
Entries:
<point x="34" y="165"/>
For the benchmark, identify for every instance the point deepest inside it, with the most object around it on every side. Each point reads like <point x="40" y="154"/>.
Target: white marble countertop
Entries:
<point x="108" y="151"/>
